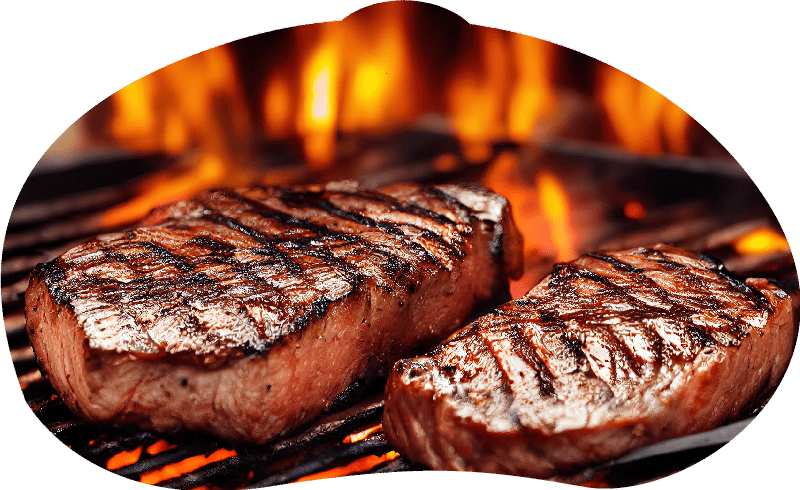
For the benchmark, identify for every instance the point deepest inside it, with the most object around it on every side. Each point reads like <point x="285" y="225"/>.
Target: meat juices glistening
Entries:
<point x="608" y="353"/>
<point x="244" y="313"/>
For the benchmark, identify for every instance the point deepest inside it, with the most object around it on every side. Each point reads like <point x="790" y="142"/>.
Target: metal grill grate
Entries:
<point x="49" y="219"/>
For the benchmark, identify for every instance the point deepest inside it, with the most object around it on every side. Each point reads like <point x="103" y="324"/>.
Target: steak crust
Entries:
<point x="609" y="353"/>
<point x="245" y="312"/>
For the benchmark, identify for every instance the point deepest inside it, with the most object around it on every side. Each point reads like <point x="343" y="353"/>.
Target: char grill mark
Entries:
<point x="610" y="352"/>
<point x="189" y="320"/>
<point x="314" y="238"/>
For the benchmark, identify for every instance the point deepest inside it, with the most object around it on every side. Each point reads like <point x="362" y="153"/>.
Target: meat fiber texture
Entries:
<point x="245" y="312"/>
<point x="608" y="353"/>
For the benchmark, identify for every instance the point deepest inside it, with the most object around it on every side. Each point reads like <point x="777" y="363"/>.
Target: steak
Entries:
<point x="246" y="312"/>
<point x="608" y="353"/>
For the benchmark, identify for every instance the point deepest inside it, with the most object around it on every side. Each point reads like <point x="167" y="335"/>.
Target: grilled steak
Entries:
<point x="246" y="312"/>
<point x="608" y="353"/>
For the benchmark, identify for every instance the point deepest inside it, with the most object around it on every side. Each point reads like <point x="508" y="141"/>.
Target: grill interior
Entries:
<point x="50" y="217"/>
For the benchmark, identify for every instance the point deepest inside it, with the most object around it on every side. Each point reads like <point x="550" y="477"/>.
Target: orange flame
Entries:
<point x="187" y="465"/>
<point x="360" y="436"/>
<point x="476" y="94"/>
<point x="761" y="241"/>
<point x="643" y="120"/>
<point x="555" y="205"/>
<point x="358" y="466"/>
<point x="355" y="77"/>
<point x="540" y="208"/>
<point x="195" y="103"/>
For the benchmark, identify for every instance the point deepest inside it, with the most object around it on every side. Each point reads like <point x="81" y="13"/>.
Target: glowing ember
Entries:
<point x="187" y="465"/>
<point x="761" y="241"/>
<point x="358" y="466"/>
<point x="634" y="210"/>
<point x="360" y="436"/>
<point x="159" y="447"/>
<point x="123" y="458"/>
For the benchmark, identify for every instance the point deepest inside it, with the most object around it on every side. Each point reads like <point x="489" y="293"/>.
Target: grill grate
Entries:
<point x="42" y="227"/>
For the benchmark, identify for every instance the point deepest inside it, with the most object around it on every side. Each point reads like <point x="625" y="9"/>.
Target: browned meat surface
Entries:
<point x="246" y="312"/>
<point x="608" y="353"/>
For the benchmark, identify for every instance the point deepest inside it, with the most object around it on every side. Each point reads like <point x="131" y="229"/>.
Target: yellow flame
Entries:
<point x="318" y="121"/>
<point x="555" y="204"/>
<point x="761" y="241"/>
<point x="476" y="95"/>
<point x="533" y="95"/>
<point x="643" y="120"/>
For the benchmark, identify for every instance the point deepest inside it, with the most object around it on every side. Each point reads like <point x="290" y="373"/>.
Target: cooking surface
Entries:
<point x="617" y="198"/>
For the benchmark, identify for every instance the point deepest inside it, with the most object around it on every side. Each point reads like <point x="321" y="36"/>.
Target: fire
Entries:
<point x="555" y="205"/>
<point x="476" y="95"/>
<point x="643" y="120"/>
<point x="358" y="466"/>
<point x="195" y="104"/>
<point x="761" y="241"/>
<point x="159" y="447"/>
<point x="503" y="91"/>
<point x="355" y="77"/>
<point x="540" y="208"/>
<point x="123" y="458"/>
<point x="187" y="465"/>
<point x="360" y="436"/>
<point x="366" y="75"/>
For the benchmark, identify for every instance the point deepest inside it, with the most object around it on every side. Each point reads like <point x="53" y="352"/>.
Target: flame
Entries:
<point x="187" y="465"/>
<point x="364" y="75"/>
<point x="555" y="205"/>
<point x="123" y="458"/>
<point x="357" y="76"/>
<point x="540" y="208"/>
<point x="318" y="122"/>
<point x="193" y="104"/>
<point x="476" y="94"/>
<point x="360" y="436"/>
<point x="358" y="466"/>
<point x="533" y="95"/>
<point x="643" y="120"/>
<point x="761" y="241"/>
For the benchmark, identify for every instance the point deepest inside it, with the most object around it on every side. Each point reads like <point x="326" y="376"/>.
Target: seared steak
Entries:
<point x="246" y="312"/>
<point x="608" y="353"/>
